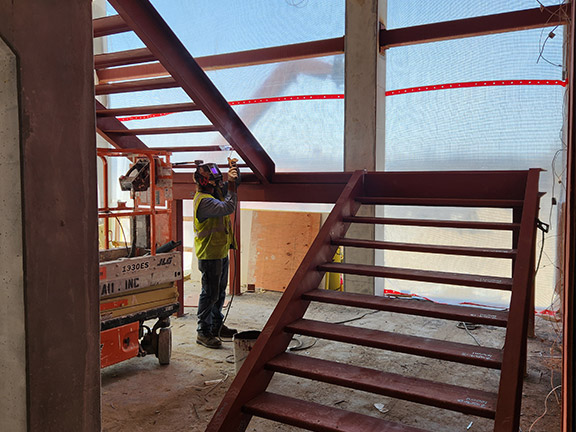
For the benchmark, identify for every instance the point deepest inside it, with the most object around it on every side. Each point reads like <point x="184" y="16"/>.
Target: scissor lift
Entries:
<point x="138" y="282"/>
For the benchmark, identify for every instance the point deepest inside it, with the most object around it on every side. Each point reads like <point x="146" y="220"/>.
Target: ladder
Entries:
<point x="249" y="396"/>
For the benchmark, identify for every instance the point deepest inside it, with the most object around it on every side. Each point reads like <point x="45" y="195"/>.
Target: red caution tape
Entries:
<point x="388" y="93"/>
<point x="475" y="84"/>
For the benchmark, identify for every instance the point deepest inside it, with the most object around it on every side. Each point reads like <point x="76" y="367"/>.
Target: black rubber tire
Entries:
<point x="164" y="345"/>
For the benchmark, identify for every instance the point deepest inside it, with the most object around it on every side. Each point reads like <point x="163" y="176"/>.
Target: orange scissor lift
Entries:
<point x="138" y="278"/>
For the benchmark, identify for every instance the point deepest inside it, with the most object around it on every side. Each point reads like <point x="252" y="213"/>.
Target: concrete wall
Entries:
<point x="12" y="333"/>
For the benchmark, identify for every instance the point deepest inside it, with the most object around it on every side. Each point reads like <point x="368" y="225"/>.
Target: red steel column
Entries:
<point x="53" y="44"/>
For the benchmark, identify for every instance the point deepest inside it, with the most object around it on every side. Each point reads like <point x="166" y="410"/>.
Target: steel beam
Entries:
<point x="163" y="43"/>
<point x="109" y="25"/>
<point x="123" y="58"/>
<point x="299" y="51"/>
<point x="151" y="109"/>
<point x="162" y="131"/>
<point x="112" y="123"/>
<point x="478" y="26"/>
<point x="157" y="35"/>
<point x="134" y="86"/>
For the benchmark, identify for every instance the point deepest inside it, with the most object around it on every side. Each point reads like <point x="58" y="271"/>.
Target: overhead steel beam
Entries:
<point x="299" y="51"/>
<point x="147" y="23"/>
<point x="133" y="86"/>
<point x="478" y="26"/>
<point x="151" y="109"/>
<point x="112" y="123"/>
<point x="162" y="130"/>
<point x="123" y="58"/>
<point x="313" y="187"/>
<point x="109" y="25"/>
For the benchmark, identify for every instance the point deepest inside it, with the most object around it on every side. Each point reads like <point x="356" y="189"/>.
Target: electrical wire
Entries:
<point x="233" y="277"/>
<point x="469" y="326"/>
<point x="123" y="234"/>
<point x="545" y="406"/>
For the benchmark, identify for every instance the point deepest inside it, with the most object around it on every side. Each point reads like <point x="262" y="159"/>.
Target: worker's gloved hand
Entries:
<point x="232" y="175"/>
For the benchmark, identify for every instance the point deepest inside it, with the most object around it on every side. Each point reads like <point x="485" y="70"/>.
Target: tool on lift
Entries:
<point x="137" y="178"/>
<point x="167" y="247"/>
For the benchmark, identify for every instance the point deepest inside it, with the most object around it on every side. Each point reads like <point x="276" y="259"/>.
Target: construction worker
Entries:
<point x="214" y="202"/>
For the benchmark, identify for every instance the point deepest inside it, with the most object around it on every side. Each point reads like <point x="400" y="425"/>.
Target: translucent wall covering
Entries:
<point x="300" y="133"/>
<point x="305" y="132"/>
<point x="484" y="127"/>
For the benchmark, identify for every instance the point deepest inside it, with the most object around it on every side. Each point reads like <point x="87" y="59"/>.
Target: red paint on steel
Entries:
<point x="511" y="379"/>
<point x="252" y="379"/>
<point x="413" y="389"/>
<point x="477" y="26"/>
<point x="260" y="56"/>
<point x="395" y="301"/>
<point x="104" y="123"/>
<point x="421" y="346"/>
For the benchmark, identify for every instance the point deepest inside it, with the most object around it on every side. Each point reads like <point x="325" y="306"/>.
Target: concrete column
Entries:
<point x="12" y="331"/>
<point x="364" y="115"/>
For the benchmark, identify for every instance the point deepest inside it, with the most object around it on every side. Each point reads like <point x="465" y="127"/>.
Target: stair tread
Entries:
<point x="315" y="417"/>
<point x="442" y="202"/>
<point x="480" y="281"/>
<point x="415" y="247"/>
<point x="501" y="226"/>
<point x="412" y="307"/>
<point x="432" y="393"/>
<point x="426" y="347"/>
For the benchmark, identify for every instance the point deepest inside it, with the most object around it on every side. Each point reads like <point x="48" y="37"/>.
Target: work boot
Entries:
<point x="226" y="332"/>
<point x="208" y="341"/>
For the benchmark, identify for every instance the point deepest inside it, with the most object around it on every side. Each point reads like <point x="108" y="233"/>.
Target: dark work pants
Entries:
<point x="214" y="282"/>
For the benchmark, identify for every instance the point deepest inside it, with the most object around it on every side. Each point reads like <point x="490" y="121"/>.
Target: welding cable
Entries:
<point x="123" y="235"/>
<point x="545" y="406"/>
<point x="300" y="346"/>
<point x="468" y="327"/>
<point x="233" y="277"/>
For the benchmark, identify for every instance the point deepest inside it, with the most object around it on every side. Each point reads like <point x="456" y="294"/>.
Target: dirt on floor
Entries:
<point x="140" y="395"/>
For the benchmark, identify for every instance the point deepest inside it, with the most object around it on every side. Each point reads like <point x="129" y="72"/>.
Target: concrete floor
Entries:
<point x="141" y="395"/>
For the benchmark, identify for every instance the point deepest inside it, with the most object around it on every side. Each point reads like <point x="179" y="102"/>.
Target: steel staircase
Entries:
<point x="516" y="190"/>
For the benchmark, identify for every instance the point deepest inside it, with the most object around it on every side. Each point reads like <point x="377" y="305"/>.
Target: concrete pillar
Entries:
<point x="54" y="216"/>
<point x="12" y="332"/>
<point x="364" y="115"/>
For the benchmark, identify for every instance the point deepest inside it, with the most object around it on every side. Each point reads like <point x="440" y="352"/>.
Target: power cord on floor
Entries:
<point x="469" y="326"/>
<point x="545" y="406"/>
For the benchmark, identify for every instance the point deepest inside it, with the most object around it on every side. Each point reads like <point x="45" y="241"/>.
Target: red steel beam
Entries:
<point x="299" y="51"/>
<point x="118" y="141"/>
<point x="190" y="149"/>
<point x="569" y="301"/>
<point x="109" y="25"/>
<point x="513" y="363"/>
<point x="133" y="86"/>
<point x="123" y="58"/>
<point x="151" y="109"/>
<point x="163" y="43"/>
<point x="478" y="26"/>
<point x="161" y="131"/>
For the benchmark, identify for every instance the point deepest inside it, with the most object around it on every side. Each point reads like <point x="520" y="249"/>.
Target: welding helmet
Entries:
<point x="207" y="172"/>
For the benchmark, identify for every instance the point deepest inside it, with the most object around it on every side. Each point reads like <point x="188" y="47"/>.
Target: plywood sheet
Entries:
<point x="279" y="242"/>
